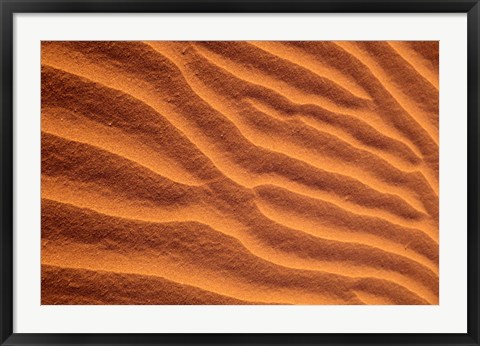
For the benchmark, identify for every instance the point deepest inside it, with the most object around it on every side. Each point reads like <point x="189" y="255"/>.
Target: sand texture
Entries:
<point x="240" y="173"/>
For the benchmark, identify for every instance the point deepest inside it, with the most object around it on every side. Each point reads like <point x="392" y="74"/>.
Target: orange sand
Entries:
<point x="240" y="173"/>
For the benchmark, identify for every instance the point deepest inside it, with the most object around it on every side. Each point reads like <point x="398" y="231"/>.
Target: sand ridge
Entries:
<point x="240" y="172"/>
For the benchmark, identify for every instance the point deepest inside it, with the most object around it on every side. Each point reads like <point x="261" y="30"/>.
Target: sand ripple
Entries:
<point x="239" y="173"/>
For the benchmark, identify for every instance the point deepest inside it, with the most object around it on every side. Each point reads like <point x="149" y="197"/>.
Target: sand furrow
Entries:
<point x="188" y="248"/>
<point x="327" y="220"/>
<point x="342" y="59"/>
<point x="337" y="58"/>
<point x="177" y="253"/>
<point x="324" y="147"/>
<point x="271" y="235"/>
<point x="269" y="162"/>
<point x="294" y="96"/>
<point x="403" y="76"/>
<point x="426" y="121"/>
<point x="86" y="286"/>
<point x="415" y="184"/>
<point x="243" y="57"/>
<point x="321" y="71"/>
<point x="65" y="124"/>
<point x="79" y="153"/>
<point x="147" y="126"/>
<point x="416" y="61"/>
<point x="351" y="132"/>
<point x="131" y="182"/>
<point x="216" y="212"/>
<point x="248" y="237"/>
<point x="277" y="244"/>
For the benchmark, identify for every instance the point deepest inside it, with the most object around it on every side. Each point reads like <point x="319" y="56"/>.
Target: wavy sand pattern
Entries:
<point x="240" y="173"/>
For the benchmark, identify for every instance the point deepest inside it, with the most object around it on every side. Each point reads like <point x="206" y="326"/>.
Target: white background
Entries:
<point x="450" y="316"/>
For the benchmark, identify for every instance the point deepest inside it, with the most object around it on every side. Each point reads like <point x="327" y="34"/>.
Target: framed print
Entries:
<point x="242" y="172"/>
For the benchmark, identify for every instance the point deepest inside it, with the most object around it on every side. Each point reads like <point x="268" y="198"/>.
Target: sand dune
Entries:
<point x="240" y="173"/>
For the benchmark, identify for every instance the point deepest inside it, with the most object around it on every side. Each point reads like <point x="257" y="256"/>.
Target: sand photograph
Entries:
<point x="239" y="172"/>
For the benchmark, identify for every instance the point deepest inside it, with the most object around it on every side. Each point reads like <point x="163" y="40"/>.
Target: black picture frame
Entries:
<point x="10" y="7"/>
